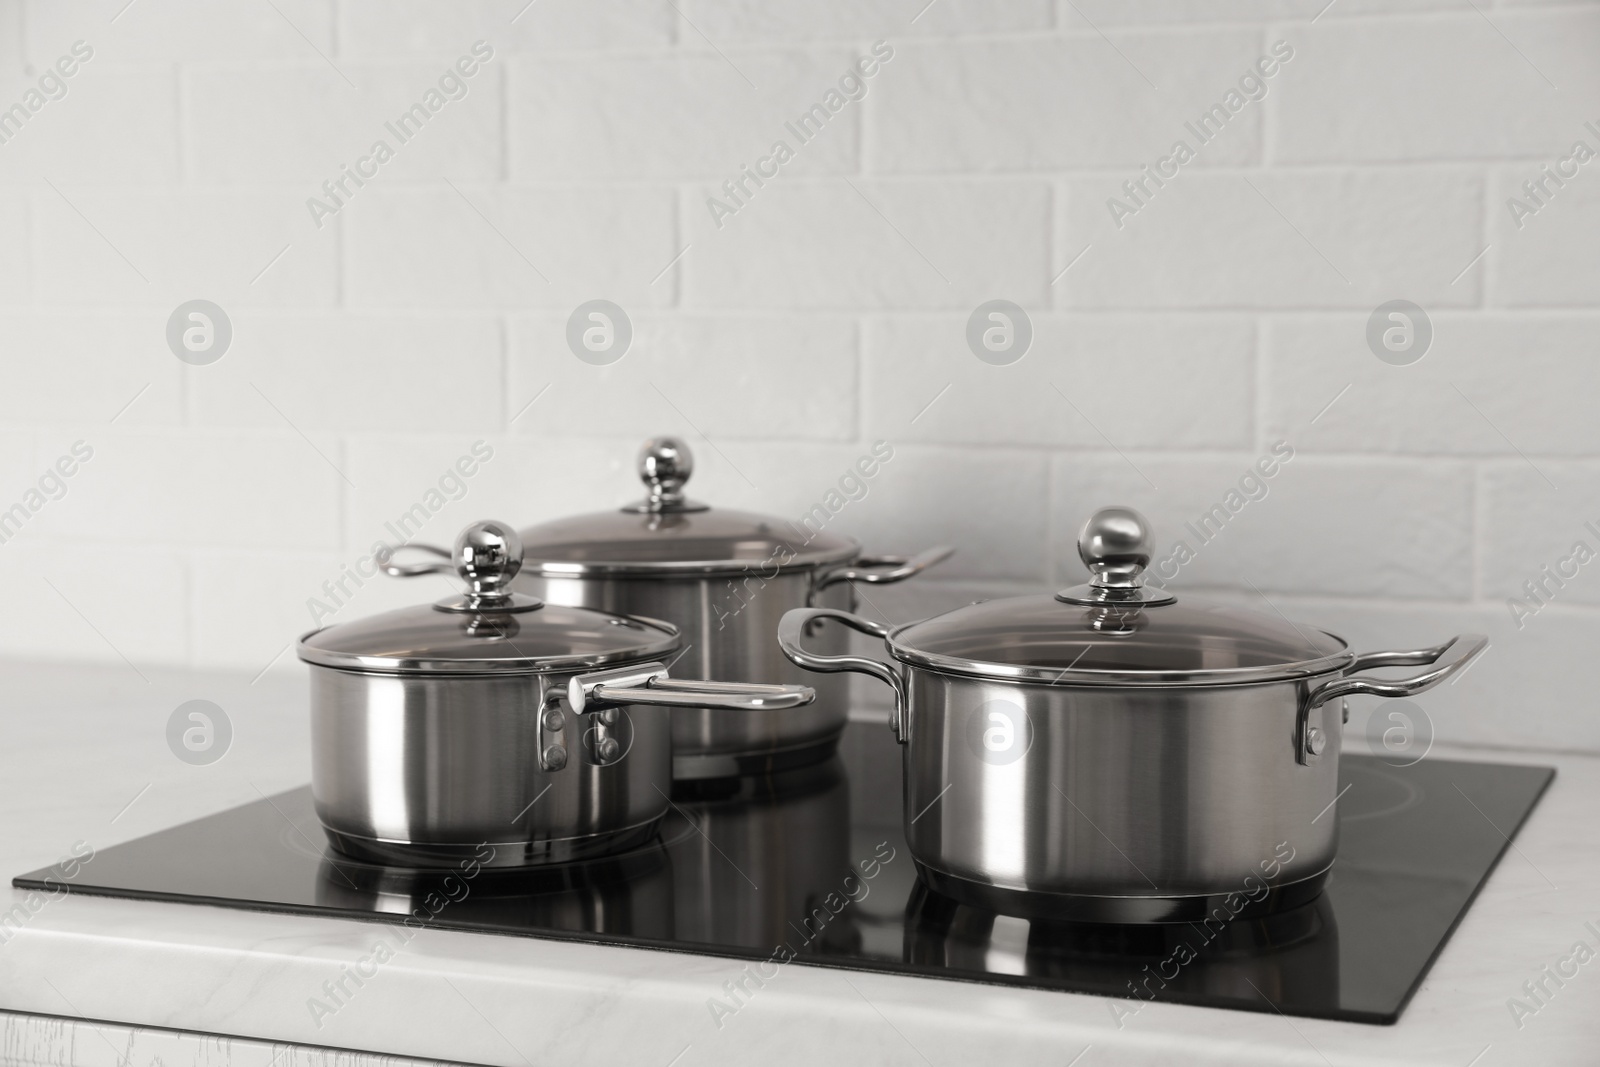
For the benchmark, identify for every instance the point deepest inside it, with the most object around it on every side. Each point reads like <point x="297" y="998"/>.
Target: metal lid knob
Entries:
<point x="665" y="464"/>
<point x="1115" y="544"/>
<point x="487" y="556"/>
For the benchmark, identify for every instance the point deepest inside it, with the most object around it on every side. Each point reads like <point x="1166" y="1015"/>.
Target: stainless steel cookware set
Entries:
<point x="1109" y="753"/>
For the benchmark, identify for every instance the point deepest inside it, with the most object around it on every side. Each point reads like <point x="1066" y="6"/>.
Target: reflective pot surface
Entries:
<point x="423" y="770"/>
<point x="1120" y="796"/>
<point x="724" y="578"/>
<point x="1122" y="805"/>
<point x="629" y="893"/>
<point x="1290" y="955"/>
<point x="762" y="857"/>
<point x="729" y="629"/>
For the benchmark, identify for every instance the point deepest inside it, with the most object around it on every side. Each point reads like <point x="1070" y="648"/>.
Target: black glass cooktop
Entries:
<point x="811" y="866"/>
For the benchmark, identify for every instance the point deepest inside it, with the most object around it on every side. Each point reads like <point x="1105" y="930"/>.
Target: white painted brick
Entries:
<point x="736" y="376"/>
<point x="1551" y="257"/>
<point x="90" y="368"/>
<point x="211" y="244"/>
<point x="1559" y="42"/>
<point x="116" y="125"/>
<point x="990" y="504"/>
<point x="1345" y="527"/>
<point x="389" y="28"/>
<point x="345" y="373"/>
<point x="10" y="36"/>
<point x="35" y="476"/>
<point x="1211" y="240"/>
<point x="1185" y="382"/>
<point x="264" y="490"/>
<point x="1365" y="92"/>
<point x="811" y="20"/>
<point x="487" y="247"/>
<point x="19" y="469"/>
<point x="1083" y="14"/>
<point x="1544" y="407"/>
<point x="300" y="123"/>
<point x="681" y="115"/>
<point x="181" y="30"/>
<point x="977" y="106"/>
<point x="124" y="605"/>
<point x="16" y="277"/>
<point x="277" y="588"/>
<point x="879" y="244"/>
<point x="1530" y="525"/>
<point x="521" y="482"/>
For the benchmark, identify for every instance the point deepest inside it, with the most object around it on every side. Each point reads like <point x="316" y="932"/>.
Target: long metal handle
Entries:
<point x="1446" y="659"/>
<point x="411" y="570"/>
<point x="791" y="635"/>
<point x="648" y="684"/>
<point x="882" y="570"/>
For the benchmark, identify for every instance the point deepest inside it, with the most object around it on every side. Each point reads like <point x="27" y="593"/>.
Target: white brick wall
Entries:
<point x="1227" y="313"/>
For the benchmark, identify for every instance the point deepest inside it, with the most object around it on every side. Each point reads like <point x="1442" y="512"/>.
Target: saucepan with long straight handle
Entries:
<point x="496" y="728"/>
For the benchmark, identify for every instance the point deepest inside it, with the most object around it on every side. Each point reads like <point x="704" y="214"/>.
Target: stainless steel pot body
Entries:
<point x="1132" y="802"/>
<point x="1079" y="792"/>
<point x="729" y="626"/>
<point x="423" y="769"/>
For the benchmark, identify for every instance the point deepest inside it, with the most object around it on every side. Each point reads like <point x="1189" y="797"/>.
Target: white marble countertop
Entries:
<point x="86" y="759"/>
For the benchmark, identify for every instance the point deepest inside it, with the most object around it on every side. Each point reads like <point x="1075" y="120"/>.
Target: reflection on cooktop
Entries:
<point x="800" y="866"/>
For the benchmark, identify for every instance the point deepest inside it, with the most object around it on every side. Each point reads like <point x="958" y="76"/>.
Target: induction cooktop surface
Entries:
<point x="809" y="866"/>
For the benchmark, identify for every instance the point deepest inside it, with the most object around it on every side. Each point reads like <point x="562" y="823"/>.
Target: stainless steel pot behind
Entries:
<point x="724" y="578"/>
<point x="494" y="719"/>
<point x="1107" y="754"/>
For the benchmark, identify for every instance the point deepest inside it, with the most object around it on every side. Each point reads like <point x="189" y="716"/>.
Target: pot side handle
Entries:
<point x="883" y="570"/>
<point x="792" y="629"/>
<point x="1446" y="659"/>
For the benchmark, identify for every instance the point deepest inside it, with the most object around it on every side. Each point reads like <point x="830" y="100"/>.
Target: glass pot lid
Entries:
<point x="489" y="629"/>
<point x="1116" y="630"/>
<point x="667" y="533"/>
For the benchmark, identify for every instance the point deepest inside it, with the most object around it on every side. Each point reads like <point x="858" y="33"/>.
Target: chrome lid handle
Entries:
<point x="665" y="464"/>
<point x="1115" y="544"/>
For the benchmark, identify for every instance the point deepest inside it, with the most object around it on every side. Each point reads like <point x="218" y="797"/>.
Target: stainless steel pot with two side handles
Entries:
<point x="492" y="718"/>
<point x="724" y="578"/>
<point x="1115" y="754"/>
